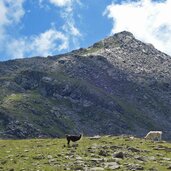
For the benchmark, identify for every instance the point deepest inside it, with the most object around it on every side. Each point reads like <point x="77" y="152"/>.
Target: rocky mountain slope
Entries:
<point x="119" y="85"/>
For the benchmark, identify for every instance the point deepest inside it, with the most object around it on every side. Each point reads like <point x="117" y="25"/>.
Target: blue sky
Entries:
<point x="49" y="27"/>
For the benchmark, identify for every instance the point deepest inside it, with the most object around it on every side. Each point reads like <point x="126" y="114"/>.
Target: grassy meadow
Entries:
<point x="102" y="153"/>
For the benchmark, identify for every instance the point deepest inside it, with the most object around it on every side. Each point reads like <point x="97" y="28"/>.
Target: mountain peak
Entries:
<point x="124" y="33"/>
<point x="120" y="43"/>
<point x="111" y="41"/>
<point x="123" y="36"/>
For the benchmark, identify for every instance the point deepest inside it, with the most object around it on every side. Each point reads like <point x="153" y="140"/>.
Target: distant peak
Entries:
<point x="124" y="33"/>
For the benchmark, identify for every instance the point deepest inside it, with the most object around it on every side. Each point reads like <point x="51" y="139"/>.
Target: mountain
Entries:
<point x="119" y="85"/>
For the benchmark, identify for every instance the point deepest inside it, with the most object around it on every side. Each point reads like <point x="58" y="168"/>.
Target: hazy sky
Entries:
<point x="48" y="27"/>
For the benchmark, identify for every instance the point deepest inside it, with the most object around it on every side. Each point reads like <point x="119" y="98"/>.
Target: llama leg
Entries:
<point x="160" y="137"/>
<point x="68" y="141"/>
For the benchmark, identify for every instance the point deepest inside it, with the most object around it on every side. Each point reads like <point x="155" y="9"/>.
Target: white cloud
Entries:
<point x="69" y="26"/>
<point x="67" y="13"/>
<point x="61" y="3"/>
<point x="148" y="20"/>
<point x="11" y="12"/>
<point x="15" y="10"/>
<point x="47" y="43"/>
<point x="15" y="48"/>
<point x="3" y="13"/>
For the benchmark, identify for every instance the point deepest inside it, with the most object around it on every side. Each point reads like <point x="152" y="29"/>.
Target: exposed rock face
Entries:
<point x="117" y="86"/>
